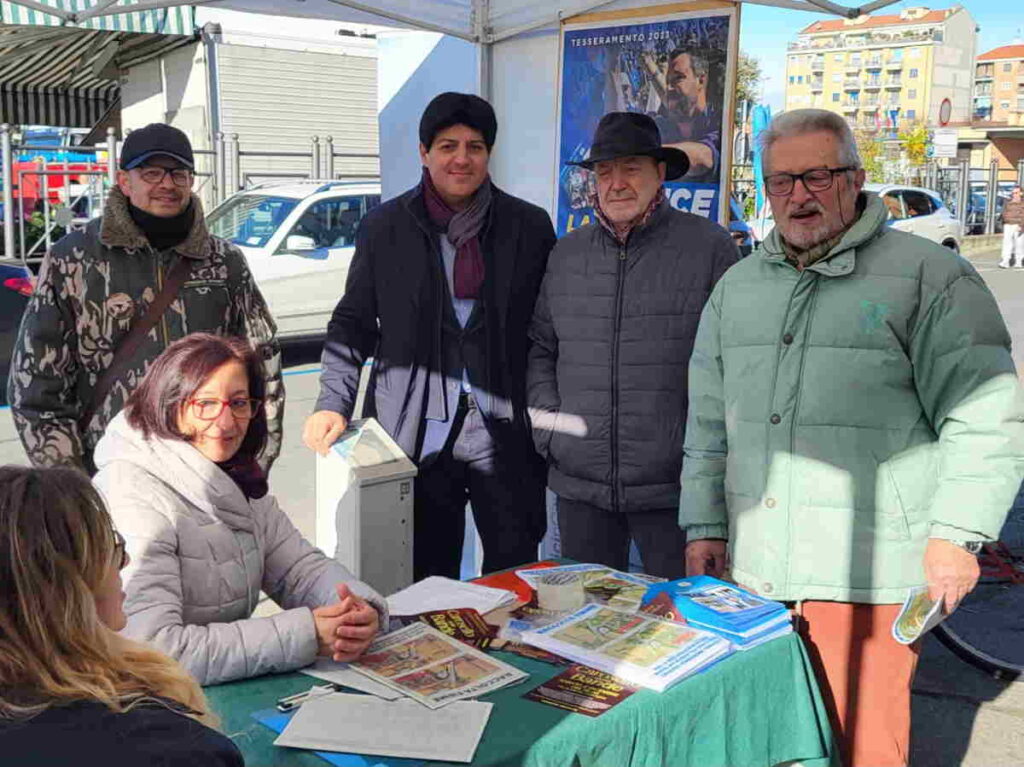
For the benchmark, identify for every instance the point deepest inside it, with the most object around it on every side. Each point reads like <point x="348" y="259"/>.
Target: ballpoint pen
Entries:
<point x="294" y="701"/>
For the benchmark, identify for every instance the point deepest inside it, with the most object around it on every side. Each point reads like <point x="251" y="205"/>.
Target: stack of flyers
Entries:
<point x="637" y="648"/>
<point x="583" y="690"/>
<point x="601" y="584"/>
<point x="743" y="618"/>
<point x="430" y="667"/>
<point x="919" y="616"/>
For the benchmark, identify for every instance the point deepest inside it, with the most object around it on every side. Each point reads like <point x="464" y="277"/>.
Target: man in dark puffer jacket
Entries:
<point x="612" y="334"/>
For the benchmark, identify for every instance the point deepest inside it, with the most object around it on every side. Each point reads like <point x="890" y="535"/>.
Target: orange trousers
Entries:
<point x="865" y="677"/>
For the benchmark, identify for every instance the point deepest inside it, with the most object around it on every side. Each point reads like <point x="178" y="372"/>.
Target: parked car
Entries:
<point x="976" y="208"/>
<point x="298" y="238"/>
<point x="16" y="283"/>
<point x="921" y="212"/>
<point x="911" y="209"/>
<point x="739" y="229"/>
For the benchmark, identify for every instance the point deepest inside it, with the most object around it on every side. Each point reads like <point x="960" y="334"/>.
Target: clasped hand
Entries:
<point x="346" y="628"/>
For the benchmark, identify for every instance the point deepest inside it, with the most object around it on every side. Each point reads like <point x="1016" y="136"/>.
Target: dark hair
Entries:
<point x="448" y="109"/>
<point x="699" y="62"/>
<point x="178" y="373"/>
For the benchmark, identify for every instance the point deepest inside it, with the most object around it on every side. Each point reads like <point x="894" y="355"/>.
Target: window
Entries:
<point x="895" y="205"/>
<point x="332" y="223"/>
<point x="838" y="58"/>
<point x="1008" y="67"/>
<point x="915" y="52"/>
<point x="791" y="79"/>
<point x="837" y="78"/>
<point x="911" y="93"/>
<point x="897" y="54"/>
<point x="800" y="79"/>
<point x="835" y="97"/>
<point x="1005" y="86"/>
<point x="251" y="219"/>
<point x="917" y="203"/>
<point x="1004" y="104"/>
<point x="911" y="114"/>
<point x="913" y="73"/>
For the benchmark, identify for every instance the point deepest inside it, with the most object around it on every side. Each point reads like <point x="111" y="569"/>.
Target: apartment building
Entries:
<point x="886" y="71"/>
<point x="999" y="85"/>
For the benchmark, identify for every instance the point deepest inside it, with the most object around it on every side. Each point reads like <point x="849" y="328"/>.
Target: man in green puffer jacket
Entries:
<point x="855" y="426"/>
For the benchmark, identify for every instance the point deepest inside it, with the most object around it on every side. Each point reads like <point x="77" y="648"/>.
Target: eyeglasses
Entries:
<point x="814" y="180"/>
<point x="154" y="174"/>
<point x="120" y="551"/>
<point x="209" y="408"/>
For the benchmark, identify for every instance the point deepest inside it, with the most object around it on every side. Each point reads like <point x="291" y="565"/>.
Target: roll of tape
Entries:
<point x="559" y="592"/>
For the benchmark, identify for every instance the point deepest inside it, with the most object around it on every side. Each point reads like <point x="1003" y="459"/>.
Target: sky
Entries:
<point x="765" y="31"/>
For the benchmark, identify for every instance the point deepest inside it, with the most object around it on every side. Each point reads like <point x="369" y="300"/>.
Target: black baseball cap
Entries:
<point x="156" y="139"/>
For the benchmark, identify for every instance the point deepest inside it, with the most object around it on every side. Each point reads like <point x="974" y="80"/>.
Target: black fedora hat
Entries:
<point x="626" y="134"/>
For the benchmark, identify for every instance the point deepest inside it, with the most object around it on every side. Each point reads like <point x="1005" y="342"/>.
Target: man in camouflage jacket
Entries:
<point x="94" y="284"/>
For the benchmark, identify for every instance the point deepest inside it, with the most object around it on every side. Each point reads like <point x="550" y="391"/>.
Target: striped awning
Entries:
<point x="69" y="77"/>
<point x="178" y="19"/>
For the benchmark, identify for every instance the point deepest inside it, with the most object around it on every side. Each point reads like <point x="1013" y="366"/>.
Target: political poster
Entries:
<point x="677" y="68"/>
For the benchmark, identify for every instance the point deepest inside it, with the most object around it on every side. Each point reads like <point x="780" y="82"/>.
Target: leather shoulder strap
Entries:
<point x="125" y="351"/>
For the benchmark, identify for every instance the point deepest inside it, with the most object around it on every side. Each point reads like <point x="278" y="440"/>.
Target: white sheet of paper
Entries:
<point x="439" y="593"/>
<point x="340" y="673"/>
<point x="363" y="724"/>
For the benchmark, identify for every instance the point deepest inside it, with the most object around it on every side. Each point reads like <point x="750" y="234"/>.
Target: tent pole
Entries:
<point x="481" y="16"/>
<point x="8" y="180"/>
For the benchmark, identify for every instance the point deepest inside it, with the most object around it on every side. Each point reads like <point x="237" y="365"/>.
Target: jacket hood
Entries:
<point x="840" y="260"/>
<point x="178" y="466"/>
<point x="119" y="231"/>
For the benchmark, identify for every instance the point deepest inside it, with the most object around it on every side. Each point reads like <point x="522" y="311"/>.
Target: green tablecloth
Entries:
<point x="755" y="709"/>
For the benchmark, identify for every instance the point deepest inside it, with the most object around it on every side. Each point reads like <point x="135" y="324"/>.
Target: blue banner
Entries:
<point x="673" y="70"/>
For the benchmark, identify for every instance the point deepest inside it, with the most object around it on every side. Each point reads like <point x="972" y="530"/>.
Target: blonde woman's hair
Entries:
<point x="57" y="546"/>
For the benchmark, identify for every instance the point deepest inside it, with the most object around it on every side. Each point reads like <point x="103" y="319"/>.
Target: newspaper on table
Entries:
<point x="440" y="593"/>
<point x="919" y="615"/>
<point x="432" y="668"/>
<point x="362" y="724"/>
<point x="638" y="648"/>
<point x="601" y="584"/>
<point x="342" y="673"/>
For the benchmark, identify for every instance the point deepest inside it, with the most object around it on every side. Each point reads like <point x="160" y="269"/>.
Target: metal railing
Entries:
<point x="225" y="169"/>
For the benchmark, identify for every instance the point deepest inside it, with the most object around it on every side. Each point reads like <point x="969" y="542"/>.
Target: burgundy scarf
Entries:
<point x="623" y="234"/>
<point x="248" y="475"/>
<point x="462" y="228"/>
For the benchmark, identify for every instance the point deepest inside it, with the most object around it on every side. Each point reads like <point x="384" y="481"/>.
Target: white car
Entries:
<point x="921" y="212"/>
<point x="911" y="209"/>
<point x="298" y="238"/>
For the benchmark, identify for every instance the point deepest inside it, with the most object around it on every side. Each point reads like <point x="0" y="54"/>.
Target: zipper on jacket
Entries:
<point x="616" y="332"/>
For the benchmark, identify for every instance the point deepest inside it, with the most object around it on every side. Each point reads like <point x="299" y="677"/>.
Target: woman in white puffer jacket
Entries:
<point x="178" y="470"/>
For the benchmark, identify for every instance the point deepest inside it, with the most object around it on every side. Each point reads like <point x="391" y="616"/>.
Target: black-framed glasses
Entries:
<point x="120" y="551"/>
<point x="210" y="408"/>
<point x="154" y="174"/>
<point x="814" y="180"/>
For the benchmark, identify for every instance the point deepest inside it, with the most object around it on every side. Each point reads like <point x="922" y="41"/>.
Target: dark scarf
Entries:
<point x="621" y="235"/>
<point x="163" y="233"/>
<point x="248" y="475"/>
<point x="462" y="228"/>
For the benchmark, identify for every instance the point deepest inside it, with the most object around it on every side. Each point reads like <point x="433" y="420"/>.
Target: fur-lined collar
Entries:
<point x="119" y="231"/>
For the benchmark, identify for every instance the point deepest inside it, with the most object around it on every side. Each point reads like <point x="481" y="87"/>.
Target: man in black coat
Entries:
<point x="440" y="292"/>
<point x="612" y="335"/>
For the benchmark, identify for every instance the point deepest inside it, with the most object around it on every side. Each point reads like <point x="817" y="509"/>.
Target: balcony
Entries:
<point x="870" y="106"/>
<point x="872" y="84"/>
<point x="851" y="106"/>
<point x="817" y="85"/>
<point x="894" y="64"/>
<point x="873" y="63"/>
<point x="861" y="40"/>
<point x="853" y="66"/>
<point x="851" y="84"/>
<point x="893" y="84"/>
<point x="818" y="65"/>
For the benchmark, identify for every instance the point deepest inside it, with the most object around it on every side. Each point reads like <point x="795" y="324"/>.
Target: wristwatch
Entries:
<point x="971" y="547"/>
